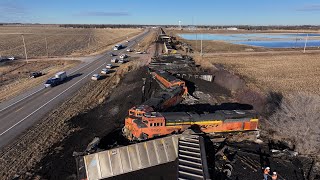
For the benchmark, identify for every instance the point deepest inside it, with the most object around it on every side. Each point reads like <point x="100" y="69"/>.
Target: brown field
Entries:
<point x="15" y="78"/>
<point x="60" y="41"/>
<point x="281" y="72"/>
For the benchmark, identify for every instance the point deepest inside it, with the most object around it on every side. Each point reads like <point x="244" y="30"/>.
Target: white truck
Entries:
<point x="58" y="78"/>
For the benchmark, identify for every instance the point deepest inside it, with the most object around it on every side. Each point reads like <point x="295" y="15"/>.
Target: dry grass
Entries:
<point x="297" y="122"/>
<point x="284" y="72"/>
<point x="61" y="41"/>
<point x="220" y="46"/>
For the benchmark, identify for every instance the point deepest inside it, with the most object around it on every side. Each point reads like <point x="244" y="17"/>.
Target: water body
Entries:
<point x="289" y="40"/>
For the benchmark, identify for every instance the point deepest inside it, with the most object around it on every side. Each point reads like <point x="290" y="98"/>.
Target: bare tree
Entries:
<point x="298" y="121"/>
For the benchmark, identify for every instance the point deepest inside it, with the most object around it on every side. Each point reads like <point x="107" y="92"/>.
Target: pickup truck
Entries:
<point x="36" y="74"/>
<point x="59" y="78"/>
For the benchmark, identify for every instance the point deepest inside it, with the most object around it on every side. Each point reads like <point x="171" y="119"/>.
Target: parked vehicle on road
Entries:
<point x="35" y="74"/>
<point x="117" y="47"/>
<point x="123" y="56"/>
<point x="112" y="55"/>
<point x="104" y="71"/>
<point x="114" y="60"/>
<point x="59" y="78"/>
<point x="129" y="50"/>
<point x="109" y="66"/>
<point x="96" y="77"/>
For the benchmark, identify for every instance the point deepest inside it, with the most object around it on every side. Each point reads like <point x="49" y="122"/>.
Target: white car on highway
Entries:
<point x="104" y="71"/>
<point x="109" y="66"/>
<point x="95" y="77"/>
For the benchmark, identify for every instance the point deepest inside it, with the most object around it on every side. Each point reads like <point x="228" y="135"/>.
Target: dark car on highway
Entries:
<point x="36" y="74"/>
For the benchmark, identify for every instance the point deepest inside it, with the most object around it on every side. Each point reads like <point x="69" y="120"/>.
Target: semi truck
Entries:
<point x="58" y="78"/>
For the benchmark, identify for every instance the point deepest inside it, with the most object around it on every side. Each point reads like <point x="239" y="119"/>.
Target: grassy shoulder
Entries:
<point x="146" y="42"/>
<point x="15" y="75"/>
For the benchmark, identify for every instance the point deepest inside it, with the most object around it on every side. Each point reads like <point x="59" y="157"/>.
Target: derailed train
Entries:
<point x="154" y="124"/>
<point x="144" y="122"/>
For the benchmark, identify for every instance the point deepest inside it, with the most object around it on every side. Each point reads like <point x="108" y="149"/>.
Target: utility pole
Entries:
<point x="89" y="41"/>
<point x="201" y="45"/>
<point x="25" y="49"/>
<point x="305" y="44"/>
<point x="196" y="36"/>
<point x="46" y="46"/>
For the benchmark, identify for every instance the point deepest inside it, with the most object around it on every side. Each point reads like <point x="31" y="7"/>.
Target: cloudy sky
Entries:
<point x="207" y="12"/>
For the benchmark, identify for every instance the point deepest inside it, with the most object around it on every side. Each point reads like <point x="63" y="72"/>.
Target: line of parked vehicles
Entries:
<point x="108" y="67"/>
<point x="61" y="76"/>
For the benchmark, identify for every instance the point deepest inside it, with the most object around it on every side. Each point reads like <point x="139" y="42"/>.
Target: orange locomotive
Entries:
<point x="154" y="124"/>
<point x="174" y="91"/>
<point x="165" y="99"/>
<point x="167" y="80"/>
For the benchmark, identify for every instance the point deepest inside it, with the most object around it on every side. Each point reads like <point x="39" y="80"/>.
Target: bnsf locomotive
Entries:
<point x="153" y="124"/>
<point x="143" y="122"/>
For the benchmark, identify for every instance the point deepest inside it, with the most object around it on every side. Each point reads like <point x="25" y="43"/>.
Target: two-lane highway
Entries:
<point x="18" y="115"/>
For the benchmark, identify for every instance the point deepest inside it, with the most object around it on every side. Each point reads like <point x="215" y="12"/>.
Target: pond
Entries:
<point x="288" y="40"/>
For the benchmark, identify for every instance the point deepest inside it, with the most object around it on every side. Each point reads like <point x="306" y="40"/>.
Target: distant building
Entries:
<point x="232" y="28"/>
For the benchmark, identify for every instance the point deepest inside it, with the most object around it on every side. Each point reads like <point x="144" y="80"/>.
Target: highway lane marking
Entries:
<point x="50" y="100"/>
<point x="19" y="109"/>
<point x="21" y="99"/>
<point x="139" y="38"/>
<point x="46" y="92"/>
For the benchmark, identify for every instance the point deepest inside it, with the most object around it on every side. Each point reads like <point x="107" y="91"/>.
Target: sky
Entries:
<point x="189" y="12"/>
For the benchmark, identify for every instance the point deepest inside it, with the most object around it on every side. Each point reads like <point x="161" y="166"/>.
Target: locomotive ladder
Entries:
<point x="192" y="158"/>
